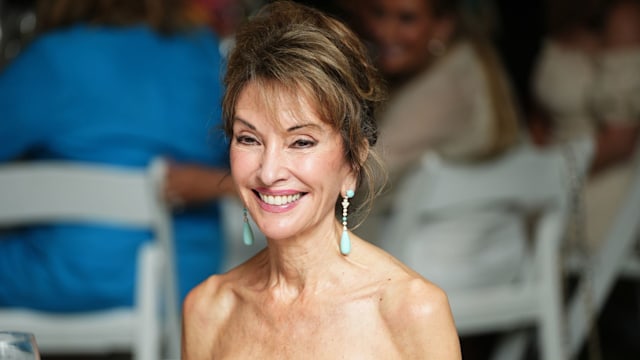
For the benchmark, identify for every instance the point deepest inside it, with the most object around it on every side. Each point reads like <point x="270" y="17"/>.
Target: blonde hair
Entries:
<point x="289" y="48"/>
<point x="506" y="130"/>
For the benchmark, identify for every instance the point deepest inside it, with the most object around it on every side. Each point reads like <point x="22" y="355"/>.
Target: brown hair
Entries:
<point x="165" y="16"/>
<point x="291" y="48"/>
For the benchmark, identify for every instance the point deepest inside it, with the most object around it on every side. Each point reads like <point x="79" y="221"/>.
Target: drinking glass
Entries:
<point x="18" y="346"/>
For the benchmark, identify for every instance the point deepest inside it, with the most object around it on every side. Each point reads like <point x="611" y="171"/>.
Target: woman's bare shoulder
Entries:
<point x="221" y="290"/>
<point x="213" y="289"/>
<point x="205" y="312"/>
<point x="413" y="296"/>
<point x="208" y="309"/>
<point x="401" y="288"/>
<point x="419" y="318"/>
<point x="207" y="306"/>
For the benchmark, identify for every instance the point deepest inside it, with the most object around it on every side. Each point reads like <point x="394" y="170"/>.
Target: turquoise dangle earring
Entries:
<point x="247" y="233"/>
<point x="345" y="241"/>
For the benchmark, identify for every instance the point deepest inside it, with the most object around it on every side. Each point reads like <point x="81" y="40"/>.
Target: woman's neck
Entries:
<point x="300" y="265"/>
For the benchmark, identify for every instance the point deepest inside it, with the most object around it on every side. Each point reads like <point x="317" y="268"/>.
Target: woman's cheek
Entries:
<point x="241" y="162"/>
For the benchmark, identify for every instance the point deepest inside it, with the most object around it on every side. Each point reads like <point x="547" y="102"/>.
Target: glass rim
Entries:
<point x="16" y="333"/>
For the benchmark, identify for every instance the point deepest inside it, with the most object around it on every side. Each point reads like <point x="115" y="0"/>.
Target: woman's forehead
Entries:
<point x="279" y="103"/>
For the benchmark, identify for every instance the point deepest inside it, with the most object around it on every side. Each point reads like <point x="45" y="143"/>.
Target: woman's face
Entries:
<point x="290" y="170"/>
<point x="401" y="30"/>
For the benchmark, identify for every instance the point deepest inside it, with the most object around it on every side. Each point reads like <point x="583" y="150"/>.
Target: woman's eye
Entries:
<point x="407" y="18"/>
<point x="246" y="140"/>
<point x="303" y="143"/>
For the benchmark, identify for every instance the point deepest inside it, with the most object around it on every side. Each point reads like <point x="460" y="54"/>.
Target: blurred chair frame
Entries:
<point x="48" y="192"/>
<point x="616" y="257"/>
<point x="527" y="180"/>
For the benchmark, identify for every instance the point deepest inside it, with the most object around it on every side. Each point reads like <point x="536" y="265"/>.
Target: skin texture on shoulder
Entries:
<point x="420" y="321"/>
<point x="205" y="309"/>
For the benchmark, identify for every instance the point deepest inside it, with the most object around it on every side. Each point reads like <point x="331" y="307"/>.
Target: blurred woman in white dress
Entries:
<point x="587" y="83"/>
<point x="450" y="97"/>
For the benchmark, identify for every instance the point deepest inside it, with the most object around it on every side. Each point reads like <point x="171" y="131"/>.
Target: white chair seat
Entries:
<point x="106" y="331"/>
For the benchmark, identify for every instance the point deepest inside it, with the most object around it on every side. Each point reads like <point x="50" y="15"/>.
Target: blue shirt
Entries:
<point x="116" y="96"/>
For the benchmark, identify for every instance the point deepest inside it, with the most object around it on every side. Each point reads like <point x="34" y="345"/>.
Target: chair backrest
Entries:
<point x="54" y="191"/>
<point x="47" y="192"/>
<point x="528" y="181"/>
<point x="526" y="178"/>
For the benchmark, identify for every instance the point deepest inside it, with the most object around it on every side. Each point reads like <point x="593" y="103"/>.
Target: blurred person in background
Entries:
<point x="116" y="82"/>
<point x="224" y="17"/>
<point x="451" y="96"/>
<point x="17" y="26"/>
<point x="450" y="93"/>
<point x="587" y="83"/>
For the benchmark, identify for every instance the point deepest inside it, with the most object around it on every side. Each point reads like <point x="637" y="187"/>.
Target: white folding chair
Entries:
<point x="615" y="257"/>
<point x="529" y="182"/>
<point x="49" y="192"/>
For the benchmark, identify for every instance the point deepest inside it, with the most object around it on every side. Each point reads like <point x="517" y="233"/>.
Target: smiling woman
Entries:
<point x="287" y="158"/>
<point x="451" y="93"/>
<point x="299" y="104"/>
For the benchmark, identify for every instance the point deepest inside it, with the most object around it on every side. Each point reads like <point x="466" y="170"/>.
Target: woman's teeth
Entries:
<point x="279" y="199"/>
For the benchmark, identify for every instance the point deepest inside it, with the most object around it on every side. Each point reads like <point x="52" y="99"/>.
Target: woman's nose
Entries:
<point x="273" y="167"/>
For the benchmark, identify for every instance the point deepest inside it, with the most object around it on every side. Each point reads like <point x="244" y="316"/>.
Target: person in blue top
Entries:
<point x="114" y="82"/>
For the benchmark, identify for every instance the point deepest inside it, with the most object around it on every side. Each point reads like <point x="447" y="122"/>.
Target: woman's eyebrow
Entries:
<point x="245" y="122"/>
<point x="291" y="129"/>
<point x="301" y="126"/>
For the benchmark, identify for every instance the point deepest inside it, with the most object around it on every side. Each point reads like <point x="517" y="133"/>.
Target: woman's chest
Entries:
<point x="349" y="332"/>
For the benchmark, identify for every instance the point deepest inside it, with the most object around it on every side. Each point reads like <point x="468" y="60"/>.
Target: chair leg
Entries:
<point x="512" y="346"/>
<point x="147" y="346"/>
